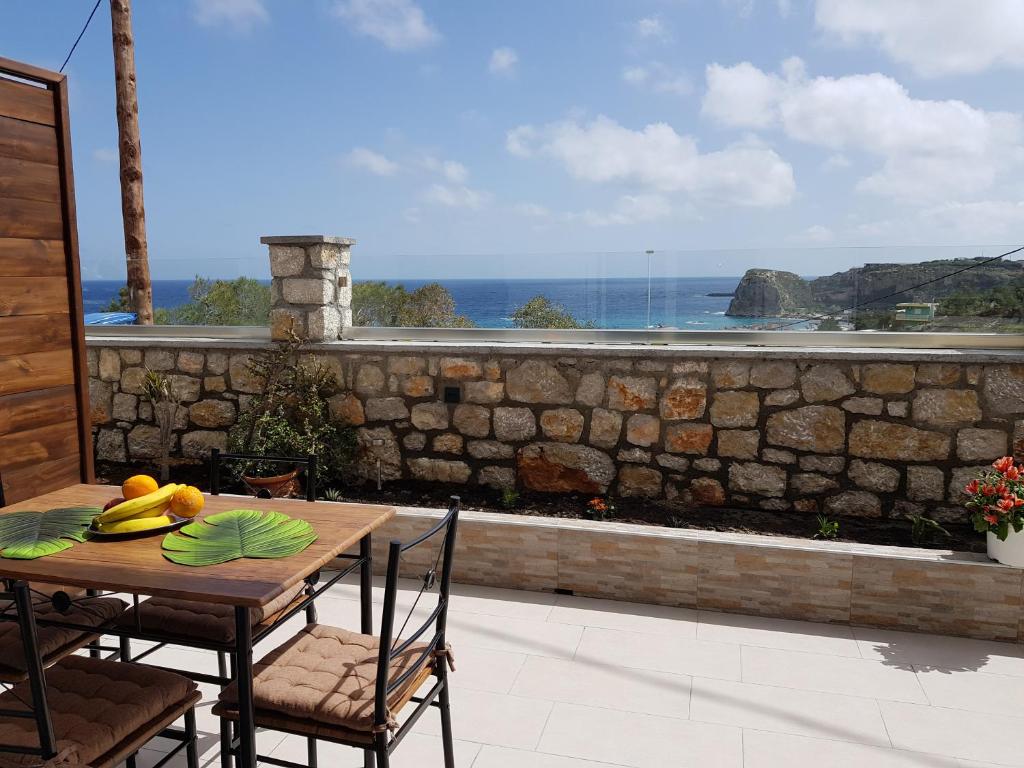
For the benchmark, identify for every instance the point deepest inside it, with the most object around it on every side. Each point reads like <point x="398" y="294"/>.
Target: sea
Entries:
<point x="689" y="303"/>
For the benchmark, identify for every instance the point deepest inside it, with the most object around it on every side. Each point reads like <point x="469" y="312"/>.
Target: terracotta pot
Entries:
<point x="274" y="487"/>
<point x="1009" y="552"/>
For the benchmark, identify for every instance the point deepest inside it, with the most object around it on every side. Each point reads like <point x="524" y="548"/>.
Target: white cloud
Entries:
<point x="836" y="162"/>
<point x="503" y="62"/>
<point x="814" y="235"/>
<point x="456" y="196"/>
<point x="930" y="149"/>
<point x="934" y="37"/>
<point x="531" y="210"/>
<point x="452" y="170"/>
<point x="658" y="78"/>
<point x="628" y="209"/>
<point x="743" y="8"/>
<point x="105" y="155"/>
<point x="371" y="161"/>
<point x="400" y="25"/>
<point x="236" y="15"/>
<point x="977" y="222"/>
<point x="651" y="28"/>
<point x="657" y="159"/>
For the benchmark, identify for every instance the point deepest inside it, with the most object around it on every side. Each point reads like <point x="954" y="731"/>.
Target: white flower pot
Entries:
<point x="1009" y="552"/>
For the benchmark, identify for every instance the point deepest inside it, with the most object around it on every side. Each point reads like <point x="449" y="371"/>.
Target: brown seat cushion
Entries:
<point x="185" y="619"/>
<point x="325" y="676"/>
<point x="98" y="708"/>
<point x="55" y="642"/>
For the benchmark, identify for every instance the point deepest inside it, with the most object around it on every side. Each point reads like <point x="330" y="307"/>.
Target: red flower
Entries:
<point x="972" y="487"/>
<point x="1006" y="505"/>
<point x="1002" y="490"/>
<point x="991" y="519"/>
<point x="1003" y="464"/>
<point x="988" y="490"/>
<point x="1013" y="473"/>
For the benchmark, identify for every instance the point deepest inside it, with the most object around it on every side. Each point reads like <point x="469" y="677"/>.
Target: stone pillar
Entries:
<point x="311" y="286"/>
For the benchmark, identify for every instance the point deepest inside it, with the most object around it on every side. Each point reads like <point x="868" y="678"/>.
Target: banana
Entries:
<point x="135" y="524"/>
<point x="155" y="511"/>
<point x="133" y="507"/>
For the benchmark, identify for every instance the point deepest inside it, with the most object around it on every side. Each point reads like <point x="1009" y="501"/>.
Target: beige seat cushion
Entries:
<point x="54" y="642"/>
<point x="186" y="619"/>
<point x="98" y="708"/>
<point x="325" y="676"/>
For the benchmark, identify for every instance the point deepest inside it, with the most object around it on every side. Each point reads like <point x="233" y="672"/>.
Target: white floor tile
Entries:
<point x="659" y="653"/>
<point x="974" y="691"/>
<point x="608" y="686"/>
<point x="956" y="733"/>
<point x="785" y="710"/>
<point x="643" y="741"/>
<point x="500" y="757"/>
<point x="786" y="634"/>
<point x="830" y="674"/>
<point x="416" y="751"/>
<point x="630" y="617"/>
<point x="921" y="652"/>
<point x="490" y="718"/>
<point x="485" y="670"/>
<point x="500" y="633"/>
<point x="776" y="750"/>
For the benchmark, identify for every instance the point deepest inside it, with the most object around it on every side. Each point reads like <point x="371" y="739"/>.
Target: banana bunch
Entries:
<point x="139" y="514"/>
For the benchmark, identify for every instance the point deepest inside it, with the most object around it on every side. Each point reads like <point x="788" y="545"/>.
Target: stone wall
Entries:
<point x="860" y="433"/>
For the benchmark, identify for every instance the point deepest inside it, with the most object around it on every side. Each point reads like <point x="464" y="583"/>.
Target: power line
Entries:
<point x="77" y="39"/>
<point x="855" y="307"/>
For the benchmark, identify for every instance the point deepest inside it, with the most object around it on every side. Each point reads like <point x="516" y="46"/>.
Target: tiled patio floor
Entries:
<point x="548" y="681"/>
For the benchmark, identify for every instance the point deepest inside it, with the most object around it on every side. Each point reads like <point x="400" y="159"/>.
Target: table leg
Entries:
<point x="366" y="610"/>
<point x="246" y="711"/>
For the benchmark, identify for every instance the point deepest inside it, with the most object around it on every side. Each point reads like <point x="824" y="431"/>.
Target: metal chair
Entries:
<point x="353" y="687"/>
<point x="85" y="711"/>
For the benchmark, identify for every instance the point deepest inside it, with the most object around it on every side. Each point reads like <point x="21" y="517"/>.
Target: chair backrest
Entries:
<point x="392" y="643"/>
<point x="19" y="594"/>
<point x="307" y="462"/>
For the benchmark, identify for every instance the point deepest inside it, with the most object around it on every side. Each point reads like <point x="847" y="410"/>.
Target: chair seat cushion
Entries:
<point x="98" y="708"/>
<point x="55" y="642"/>
<point x="183" y="619"/>
<point x="327" y="676"/>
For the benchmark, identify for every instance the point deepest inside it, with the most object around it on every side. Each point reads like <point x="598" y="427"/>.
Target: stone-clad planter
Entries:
<point x="871" y="433"/>
<point x="915" y="590"/>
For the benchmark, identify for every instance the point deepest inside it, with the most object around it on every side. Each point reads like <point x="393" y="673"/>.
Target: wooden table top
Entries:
<point x="137" y="565"/>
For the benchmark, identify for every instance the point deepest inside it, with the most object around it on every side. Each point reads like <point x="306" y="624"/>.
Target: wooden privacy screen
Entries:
<point x="45" y="433"/>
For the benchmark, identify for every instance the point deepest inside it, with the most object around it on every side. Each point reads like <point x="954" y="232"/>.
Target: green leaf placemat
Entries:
<point x="28" y="535"/>
<point x="238" y="533"/>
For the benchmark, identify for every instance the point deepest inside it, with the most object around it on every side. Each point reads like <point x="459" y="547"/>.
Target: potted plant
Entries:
<point x="290" y="416"/>
<point x="996" y="502"/>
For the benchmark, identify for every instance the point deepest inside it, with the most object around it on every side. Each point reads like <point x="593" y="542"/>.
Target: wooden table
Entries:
<point x="138" y="567"/>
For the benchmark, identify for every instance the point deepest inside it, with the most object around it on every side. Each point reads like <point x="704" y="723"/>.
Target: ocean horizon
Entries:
<point x="613" y="302"/>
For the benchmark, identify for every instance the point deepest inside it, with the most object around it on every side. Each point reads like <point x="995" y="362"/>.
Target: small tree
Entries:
<point x="541" y="312"/>
<point x="242" y="301"/>
<point x="157" y="389"/>
<point x="375" y="303"/>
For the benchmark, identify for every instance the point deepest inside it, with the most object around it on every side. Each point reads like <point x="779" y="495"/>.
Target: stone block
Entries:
<point x="212" y="413"/>
<point x="776" y="456"/>
<point x="897" y="442"/>
<point x="286" y="260"/>
<point x="643" y="429"/>
<point x="430" y="416"/>
<point x="110" y="445"/>
<point x="775" y="374"/>
<point x="854" y="504"/>
<point x="781" y="398"/>
<point x="143" y="442"/>
<point x="448" y="442"/>
<point x="370" y="380"/>
<point x="126" y="407"/>
<point x="735" y="409"/>
<point x="191" y="362"/>
<point x="489" y="450"/>
<point x="707" y="465"/>
<point x="938" y="374"/>
<point x="100" y="408"/>
<point x="688" y="438"/>
<point x="109" y="366"/>
<point x="407" y="366"/>
<point x="472" y="420"/>
<point x="867" y="406"/>
<point x="960" y="477"/>
<point x="684" y="399"/>
<point x="160" y="359"/>
<point x="323" y="324"/>
<point x="414" y="441"/>
<point x="242" y="379"/>
<point x="347" y="408"/>
<point x="706" y="492"/>
<point x="439" y="470"/>
<point x="386" y="409"/>
<point x="981" y="444"/>
<point x="738" y="443"/>
<point x="817" y="428"/>
<point x="873" y="476"/>
<point x="558" y="467"/>
<point x="216" y="363"/>
<point x="286" y="322"/>
<point x="692" y="369"/>
<point x="198" y="444"/>
<point x="534" y="381"/>
<point x="926" y="484"/>
<point x="185" y="388"/>
<point x="329" y="255"/>
<point x="514" y="424"/>
<point x="1003" y="390"/>
<point x="214" y="384"/>
<point x="675" y="463"/>
<point x="809" y="484"/>
<point x="899" y="409"/>
<point x="633" y="456"/>
<point x="460" y="368"/>
<point x="375" y="445"/>
<point x="497" y="477"/>
<point x="484" y="391"/>
<point x="417" y="386"/>
<point x="761" y="479"/>
<point x="730" y="374"/>
<point x="632" y="393"/>
<point x="605" y="427"/>
<point x="590" y="390"/>
<point x="131" y="356"/>
<point x="639" y="481"/>
<point x="887" y="378"/>
<point x="825" y="383"/>
<point x="563" y="425"/>
<point x="307" y="290"/>
<point x="946" y="407"/>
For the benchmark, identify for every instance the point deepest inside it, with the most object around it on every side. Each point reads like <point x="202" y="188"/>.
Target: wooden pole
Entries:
<point x="133" y="211"/>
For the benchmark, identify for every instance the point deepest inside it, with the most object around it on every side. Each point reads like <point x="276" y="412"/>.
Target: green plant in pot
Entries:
<point x="290" y="416"/>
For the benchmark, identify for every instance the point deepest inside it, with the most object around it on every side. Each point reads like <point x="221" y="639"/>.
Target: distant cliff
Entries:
<point x="773" y="293"/>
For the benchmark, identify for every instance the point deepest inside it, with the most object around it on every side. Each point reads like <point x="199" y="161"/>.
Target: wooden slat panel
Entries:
<point x="27" y="141"/>
<point x="38" y="370"/>
<point x="25" y="180"/>
<point x="32" y="258"/>
<point x="39" y="408"/>
<point x="33" y="296"/>
<point x="33" y="446"/>
<point x="30" y="218"/>
<point x="26" y="102"/>
<point x="20" y="334"/>
<point x="21" y="484"/>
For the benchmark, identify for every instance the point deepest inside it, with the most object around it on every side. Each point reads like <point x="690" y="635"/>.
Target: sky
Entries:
<point x="549" y="138"/>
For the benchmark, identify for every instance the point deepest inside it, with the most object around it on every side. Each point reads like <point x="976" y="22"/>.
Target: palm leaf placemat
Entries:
<point x="238" y="533"/>
<point x="28" y="535"/>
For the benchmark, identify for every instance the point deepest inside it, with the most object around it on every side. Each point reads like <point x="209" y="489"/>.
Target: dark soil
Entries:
<point x="893" y="532"/>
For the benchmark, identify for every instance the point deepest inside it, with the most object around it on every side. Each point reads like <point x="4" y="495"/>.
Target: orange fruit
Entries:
<point x="138" y="485"/>
<point x="187" y="501"/>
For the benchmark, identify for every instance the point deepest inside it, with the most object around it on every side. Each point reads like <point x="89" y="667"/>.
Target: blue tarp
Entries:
<point x="109" y="318"/>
